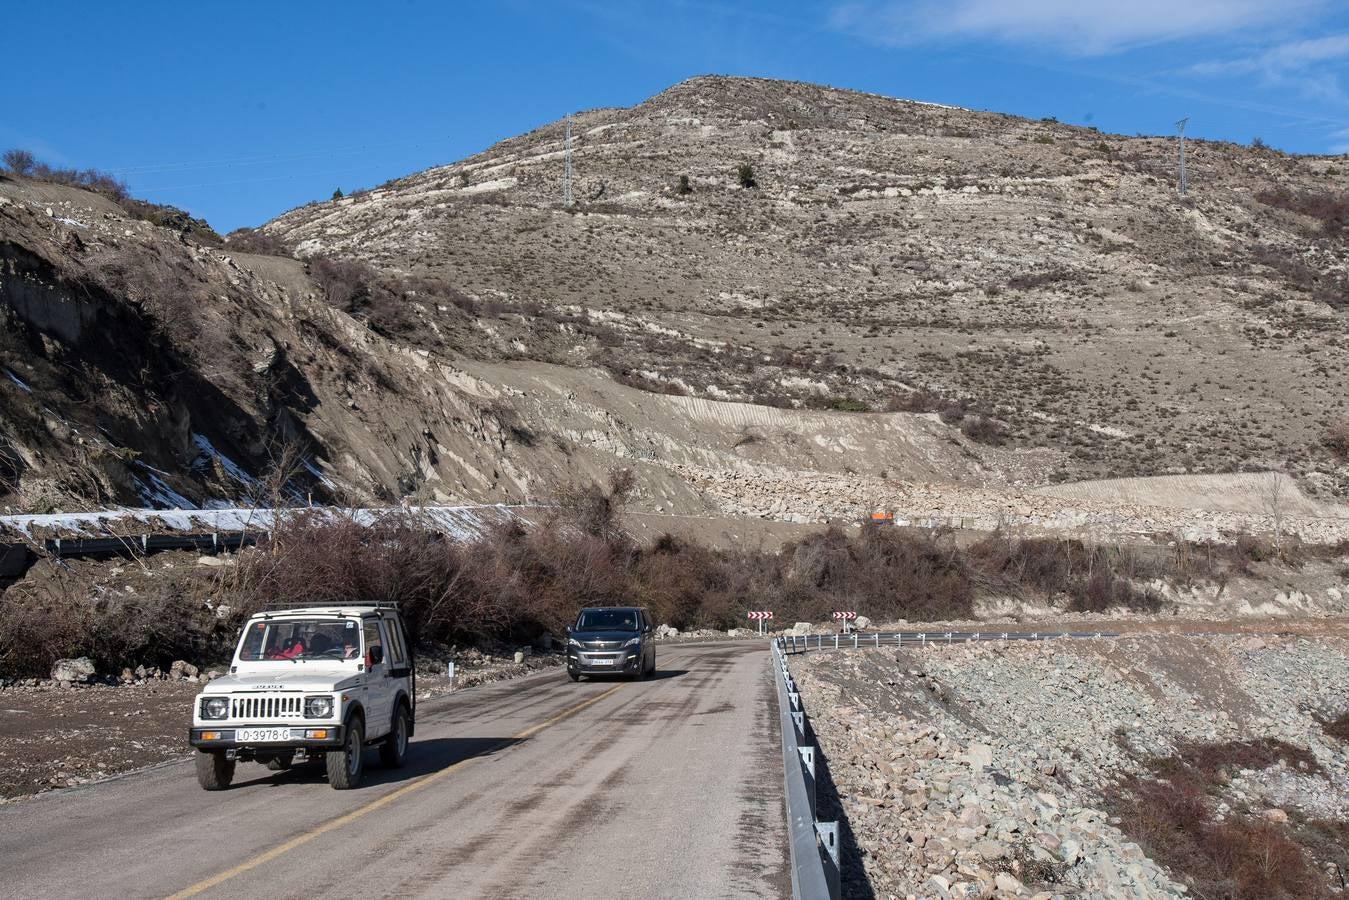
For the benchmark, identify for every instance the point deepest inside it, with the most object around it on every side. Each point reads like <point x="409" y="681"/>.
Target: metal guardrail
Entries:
<point x="813" y="845"/>
<point x="856" y="640"/>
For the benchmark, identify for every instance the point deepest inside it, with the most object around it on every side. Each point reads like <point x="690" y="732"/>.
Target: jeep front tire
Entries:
<point x="215" y="771"/>
<point x="345" y="765"/>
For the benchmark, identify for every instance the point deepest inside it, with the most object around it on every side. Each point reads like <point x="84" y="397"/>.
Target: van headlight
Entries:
<point x="215" y="707"/>
<point x="573" y="642"/>
<point x="318" y="707"/>
<point x="632" y="642"/>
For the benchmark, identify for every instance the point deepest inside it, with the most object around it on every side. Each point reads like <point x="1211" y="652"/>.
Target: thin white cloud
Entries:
<point x="1305" y="65"/>
<point x="1079" y="27"/>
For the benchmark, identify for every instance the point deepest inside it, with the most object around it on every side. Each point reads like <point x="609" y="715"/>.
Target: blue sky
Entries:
<point x="238" y="111"/>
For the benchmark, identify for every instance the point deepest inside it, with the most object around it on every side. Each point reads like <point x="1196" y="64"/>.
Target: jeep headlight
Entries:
<point x="633" y="642"/>
<point x="215" y="707"/>
<point x="318" y="707"/>
<point x="573" y="642"/>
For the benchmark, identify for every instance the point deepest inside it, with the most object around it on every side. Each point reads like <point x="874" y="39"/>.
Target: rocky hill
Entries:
<point x="837" y="295"/>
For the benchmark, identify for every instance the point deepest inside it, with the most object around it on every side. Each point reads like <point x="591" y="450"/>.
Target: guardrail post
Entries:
<point x="827" y="835"/>
<point x="808" y="771"/>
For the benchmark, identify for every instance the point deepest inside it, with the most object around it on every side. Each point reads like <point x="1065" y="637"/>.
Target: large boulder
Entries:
<point x="74" y="671"/>
<point x="666" y="631"/>
<point x="182" y="670"/>
<point x="861" y="622"/>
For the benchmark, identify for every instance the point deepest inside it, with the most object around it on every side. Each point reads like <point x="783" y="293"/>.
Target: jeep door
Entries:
<point x="378" y="684"/>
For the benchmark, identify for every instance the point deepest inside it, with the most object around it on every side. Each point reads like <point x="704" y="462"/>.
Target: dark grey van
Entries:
<point x="611" y="640"/>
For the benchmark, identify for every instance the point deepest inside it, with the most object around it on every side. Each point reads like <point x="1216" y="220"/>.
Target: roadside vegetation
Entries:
<point x="517" y="583"/>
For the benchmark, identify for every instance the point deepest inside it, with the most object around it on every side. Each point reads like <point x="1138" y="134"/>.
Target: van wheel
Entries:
<point x="346" y="765"/>
<point x="281" y="762"/>
<point x="574" y="676"/>
<point x="214" y="770"/>
<point x="393" y="752"/>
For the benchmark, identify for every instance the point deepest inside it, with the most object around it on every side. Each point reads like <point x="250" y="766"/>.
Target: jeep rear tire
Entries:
<point x="215" y="771"/>
<point x="394" y="751"/>
<point x="346" y="765"/>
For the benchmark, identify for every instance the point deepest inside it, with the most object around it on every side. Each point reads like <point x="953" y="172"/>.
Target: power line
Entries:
<point x="262" y="159"/>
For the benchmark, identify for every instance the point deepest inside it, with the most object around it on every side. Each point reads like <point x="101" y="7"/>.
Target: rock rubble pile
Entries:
<point x="980" y="770"/>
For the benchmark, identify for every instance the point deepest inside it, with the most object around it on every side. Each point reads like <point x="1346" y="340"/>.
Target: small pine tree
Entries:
<point x="684" y="187"/>
<point x="746" y="175"/>
<point x="1258" y="144"/>
<point x="337" y="194"/>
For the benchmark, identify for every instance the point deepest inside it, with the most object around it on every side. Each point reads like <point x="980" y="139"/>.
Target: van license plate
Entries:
<point x="261" y="735"/>
<point x="601" y="662"/>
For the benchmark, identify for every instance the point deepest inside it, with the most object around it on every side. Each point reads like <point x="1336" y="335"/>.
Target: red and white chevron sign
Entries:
<point x="846" y="616"/>
<point x="760" y="614"/>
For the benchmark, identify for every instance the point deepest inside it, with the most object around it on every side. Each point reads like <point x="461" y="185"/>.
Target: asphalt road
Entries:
<point x="670" y="787"/>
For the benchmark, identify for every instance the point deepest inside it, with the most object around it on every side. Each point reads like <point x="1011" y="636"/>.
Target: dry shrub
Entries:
<point x="984" y="430"/>
<point x="1094" y="578"/>
<point x="1330" y="210"/>
<point x="596" y="510"/>
<point x="1238" y="857"/>
<point x="1337" y="728"/>
<point x="346" y="284"/>
<point x="65" y="615"/>
<point x="255" y="240"/>
<point x="1337" y="439"/>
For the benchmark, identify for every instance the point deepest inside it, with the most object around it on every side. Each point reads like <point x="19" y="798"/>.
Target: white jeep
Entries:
<point x="320" y="682"/>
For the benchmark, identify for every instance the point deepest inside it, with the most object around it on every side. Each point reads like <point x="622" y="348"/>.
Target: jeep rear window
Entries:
<point x="297" y="639"/>
<point x="602" y="619"/>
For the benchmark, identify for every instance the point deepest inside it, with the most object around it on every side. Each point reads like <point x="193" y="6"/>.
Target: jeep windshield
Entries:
<point x="301" y="639"/>
<point x="607" y="620"/>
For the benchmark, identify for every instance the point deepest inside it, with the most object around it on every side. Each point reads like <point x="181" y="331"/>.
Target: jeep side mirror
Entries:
<point x="647" y="630"/>
<point x="375" y="655"/>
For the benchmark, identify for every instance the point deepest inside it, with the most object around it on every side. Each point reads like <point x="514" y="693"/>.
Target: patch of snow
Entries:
<point x="210" y="455"/>
<point x="157" y="494"/>
<point x="75" y="222"/>
<point x="19" y="381"/>
<point x="318" y="474"/>
<point x="458" y="522"/>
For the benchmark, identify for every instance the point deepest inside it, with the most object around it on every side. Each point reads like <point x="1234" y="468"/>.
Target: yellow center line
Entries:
<point x="332" y="824"/>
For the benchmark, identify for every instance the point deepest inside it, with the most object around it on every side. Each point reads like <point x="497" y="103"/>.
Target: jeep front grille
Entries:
<point x="268" y="706"/>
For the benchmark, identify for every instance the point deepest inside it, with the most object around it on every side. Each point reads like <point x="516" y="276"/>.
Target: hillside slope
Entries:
<point x="900" y="254"/>
<point x="937" y="310"/>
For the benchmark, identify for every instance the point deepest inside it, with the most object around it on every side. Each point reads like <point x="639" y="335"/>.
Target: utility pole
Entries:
<point x="1184" y="181"/>
<point x="566" y="178"/>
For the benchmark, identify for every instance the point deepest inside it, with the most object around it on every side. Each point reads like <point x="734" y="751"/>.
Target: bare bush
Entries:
<point x="1337" y="439"/>
<point x="595" y="510"/>
<point x="1169" y="812"/>
<point x="255" y="240"/>
<point x="1330" y="210"/>
<point x="19" y="162"/>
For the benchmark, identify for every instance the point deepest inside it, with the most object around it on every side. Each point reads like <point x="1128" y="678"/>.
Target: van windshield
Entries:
<point x="300" y="639"/>
<point x="607" y="620"/>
